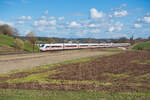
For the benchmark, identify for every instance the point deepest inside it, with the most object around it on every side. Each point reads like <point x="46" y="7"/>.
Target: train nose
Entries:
<point x="42" y="49"/>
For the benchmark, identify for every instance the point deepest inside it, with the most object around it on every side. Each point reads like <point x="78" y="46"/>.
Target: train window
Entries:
<point x="47" y="46"/>
<point x="71" y="46"/>
<point x="94" y="45"/>
<point x="42" y="45"/>
<point x="83" y="45"/>
<point x="55" y="46"/>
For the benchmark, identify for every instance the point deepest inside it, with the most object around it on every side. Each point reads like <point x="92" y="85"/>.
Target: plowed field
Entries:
<point x="124" y="72"/>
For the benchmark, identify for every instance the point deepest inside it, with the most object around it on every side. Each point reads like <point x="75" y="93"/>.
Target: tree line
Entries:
<point x="18" y="43"/>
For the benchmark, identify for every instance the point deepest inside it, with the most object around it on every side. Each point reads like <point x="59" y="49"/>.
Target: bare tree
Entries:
<point x="6" y="30"/>
<point x="132" y="40"/>
<point x="31" y="37"/>
<point x="15" y="33"/>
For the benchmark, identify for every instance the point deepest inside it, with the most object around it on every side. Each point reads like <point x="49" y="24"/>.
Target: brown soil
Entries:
<point x="126" y="66"/>
<point x="70" y="87"/>
<point x="26" y="61"/>
<point x="115" y="64"/>
<point x="6" y="49"/>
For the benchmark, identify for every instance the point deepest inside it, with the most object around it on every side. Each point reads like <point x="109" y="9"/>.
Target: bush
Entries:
<point x="18" y="44"/>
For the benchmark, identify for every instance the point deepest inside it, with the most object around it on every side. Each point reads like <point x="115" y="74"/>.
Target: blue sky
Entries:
<point x="78" y="18"/>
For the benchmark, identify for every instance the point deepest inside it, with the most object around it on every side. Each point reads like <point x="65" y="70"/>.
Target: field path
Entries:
<point x="25" y="61"/>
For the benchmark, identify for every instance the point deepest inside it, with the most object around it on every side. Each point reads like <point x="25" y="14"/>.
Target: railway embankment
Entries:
<point x="27" y="61"/>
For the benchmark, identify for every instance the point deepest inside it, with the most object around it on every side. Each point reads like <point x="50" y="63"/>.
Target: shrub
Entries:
<point x="18" y="44"/>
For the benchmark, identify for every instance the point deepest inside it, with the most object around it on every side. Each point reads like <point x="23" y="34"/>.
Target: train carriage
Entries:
<point x="63" y="46"/>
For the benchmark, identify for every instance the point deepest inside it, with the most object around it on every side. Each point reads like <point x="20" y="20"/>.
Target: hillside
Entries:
<point x="142" y="46"/>
<point x="7" y="44"/>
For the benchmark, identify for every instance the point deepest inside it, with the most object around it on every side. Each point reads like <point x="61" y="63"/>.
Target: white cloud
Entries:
<point x="118" y="26"/>
<point x="26" y="32"/>
<point x="85" y="31"/>
<point x="41" y="29"/>
<point x="29" y="18"/>
<point x="44" y="22"/>
<point x="43" y="17"/>
<point x="95" y="14"/>
<point x="23" y="18"/>
<point x="120" y="13"/>
<point x="52" y="22"/>
<point x="45" y="29"/>
<point x="4" y="22"/>
<point x="137" y="25"/>
<point x="40" y="22"/>
<point x="111" y="29"/>
<point x="94" y="25"/>
<point x="74" y="24"/>
<point x="95" y="31"/>
<point x="61" y="18"/>
<point x="36" y="23"/>
<point x="146" y="19"/>
<point x="20" y="22"/>
<point x="52" y="17"/>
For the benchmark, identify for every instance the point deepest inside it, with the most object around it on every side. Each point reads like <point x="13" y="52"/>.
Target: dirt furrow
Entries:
<point x="25" y="61"/>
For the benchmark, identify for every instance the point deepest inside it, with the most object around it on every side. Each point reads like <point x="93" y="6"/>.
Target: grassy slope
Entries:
<point x="68" y="95"/>
<point x="8" y="41"/>
<point x="144" y="45"/>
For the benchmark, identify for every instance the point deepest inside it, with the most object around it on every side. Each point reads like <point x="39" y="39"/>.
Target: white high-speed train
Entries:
<point x="62" y="46"/>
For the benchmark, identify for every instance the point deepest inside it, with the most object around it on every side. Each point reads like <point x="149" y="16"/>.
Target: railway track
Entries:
<point x="50" y="51"/>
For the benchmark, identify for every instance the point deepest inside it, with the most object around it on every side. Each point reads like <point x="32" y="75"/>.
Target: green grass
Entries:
<point x="9" y="41"/>
<point x="41" y="78"/>
<point x="28" y="46"/>
<point x="143" y="77"/>
<point x="116" y="75"/>
<point x="14" y="94"/>
<point x="140" y="62"/>
<point x="142" y="46"/>
<point x="6" y="40"/>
